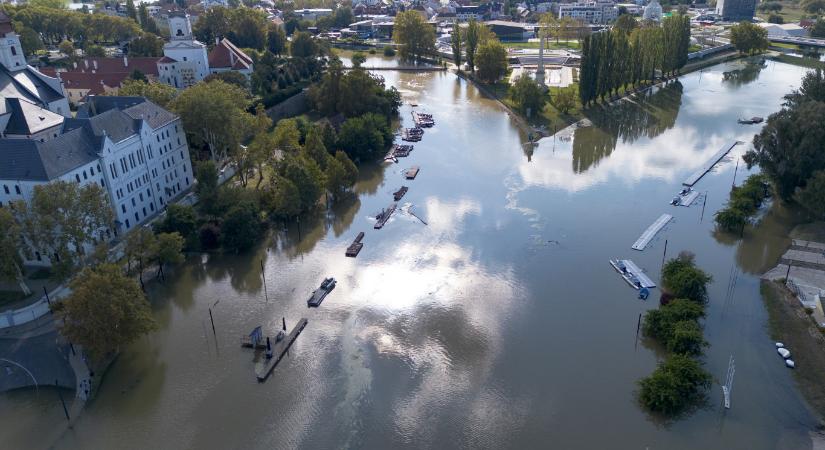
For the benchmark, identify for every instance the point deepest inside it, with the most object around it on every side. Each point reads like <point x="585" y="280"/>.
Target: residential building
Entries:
<point x="99" y="76"/>
<point x="225" y="56"/>
<point x="599" y="12"/>
<point x="19" y="80"/>
<point x="736" y="10"/>
<point x="130" y="146"/>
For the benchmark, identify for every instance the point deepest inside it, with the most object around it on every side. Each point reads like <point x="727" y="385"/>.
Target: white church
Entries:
<point x="185" y="60"/>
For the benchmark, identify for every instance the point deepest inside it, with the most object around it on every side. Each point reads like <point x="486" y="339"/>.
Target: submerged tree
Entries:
<point x="106" y="310"/>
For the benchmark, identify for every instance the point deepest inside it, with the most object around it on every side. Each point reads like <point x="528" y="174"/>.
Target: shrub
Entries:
<point x="676" y="383"/>
<point x="210" y="236"/>
<point x="389" y="51"/>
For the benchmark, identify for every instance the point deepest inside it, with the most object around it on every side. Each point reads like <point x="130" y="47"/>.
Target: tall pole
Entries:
<point x="733" y="185"/>
<point x="705" y="202"/>
<point x="212" y="320"/>
<point x="263" y="275"/>
<point x="664" y="254"/>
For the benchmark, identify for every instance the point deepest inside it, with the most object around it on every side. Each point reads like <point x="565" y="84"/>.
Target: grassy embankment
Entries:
<point x="790" y="324"/>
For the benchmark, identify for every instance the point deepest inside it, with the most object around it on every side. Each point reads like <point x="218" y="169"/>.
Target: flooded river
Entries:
<point x="497" y="324"/>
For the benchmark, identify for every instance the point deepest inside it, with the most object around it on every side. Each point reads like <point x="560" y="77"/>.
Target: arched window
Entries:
<point x="13" y="51"/>
<point x="179" y="33"/>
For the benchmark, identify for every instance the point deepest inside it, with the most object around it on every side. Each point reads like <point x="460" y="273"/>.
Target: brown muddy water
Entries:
<point x="498" y="324"/>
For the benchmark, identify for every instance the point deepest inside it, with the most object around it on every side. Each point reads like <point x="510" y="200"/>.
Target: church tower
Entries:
<point x="11" y="52"/>
<point x="185" y="61"/>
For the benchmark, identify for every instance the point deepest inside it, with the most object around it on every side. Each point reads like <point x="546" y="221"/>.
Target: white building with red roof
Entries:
<point x="185" y="60"/>
<point x="225" y="56"/>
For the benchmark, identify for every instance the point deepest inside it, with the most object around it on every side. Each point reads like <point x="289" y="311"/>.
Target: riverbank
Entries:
<point x="790" y="324"/>
<point x="555" y="120"/>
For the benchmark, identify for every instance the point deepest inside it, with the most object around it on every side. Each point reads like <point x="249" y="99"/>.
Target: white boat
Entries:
<point x="790" y="363"/>
<point x="780" y="345"/>
<point x="783" y="352"/>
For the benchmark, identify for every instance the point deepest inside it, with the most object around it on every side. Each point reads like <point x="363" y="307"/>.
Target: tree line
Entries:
<point x="789" y="147"/>
<point x="679" y="381"/>
<point x="615" y="60"/>
<point x="481" y="50"/>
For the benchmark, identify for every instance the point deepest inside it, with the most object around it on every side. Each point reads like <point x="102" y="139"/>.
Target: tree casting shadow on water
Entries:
<point x="647" y="114"/>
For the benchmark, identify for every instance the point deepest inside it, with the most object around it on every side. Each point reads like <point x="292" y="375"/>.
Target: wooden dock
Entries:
<point x="399" y="194"/>
<point x="356" y="246"/>
<point x="382" y="217"/>
<point x="279" y="349"/>
<point x="696" y="176"/>
<point x="651" y="231"/>
<point x="411" y="173"/>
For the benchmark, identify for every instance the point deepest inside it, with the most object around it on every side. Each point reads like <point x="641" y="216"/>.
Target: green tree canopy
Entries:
<point x="159" y="93"/>
<point x="676" y="383"/>
<point x="303" y="45"/>
<point x="812" y="196"/>
<point x="682" y="279"/>
<point x="105" y="311"/>
<point x="528" y="96"/>
<point x="491" y="59"/>
<point x="147" y="44"/>
<point x="214" y="115"/>
<point x="415" y="36"/>
<point x="11" y="245"/>
<point x="180" y="219"/>
<point x="62" y="218"/>
<point x="749" y="38"/>
<point x="241" y="226"/>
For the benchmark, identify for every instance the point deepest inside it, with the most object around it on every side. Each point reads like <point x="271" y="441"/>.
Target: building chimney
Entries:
<point x="94" y="62"/>
<point x="125" y="61"/>
<point x="86" y="63"/>
<point x="74" y="64"/>
<point x="217" y="40"/>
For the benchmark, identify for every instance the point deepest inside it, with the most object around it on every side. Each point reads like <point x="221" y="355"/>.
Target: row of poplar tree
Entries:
<point x="617" y="59"/>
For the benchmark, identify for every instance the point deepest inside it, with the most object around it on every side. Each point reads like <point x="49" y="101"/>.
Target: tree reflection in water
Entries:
<point x="647" y="114"/>
<point x="745" y="75"/>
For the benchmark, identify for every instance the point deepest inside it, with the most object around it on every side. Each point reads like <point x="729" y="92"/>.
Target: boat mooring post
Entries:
<point x="705" y="202"/>
<point x="263" y="275"/>
<point x="638" y="326"/>
<point x="284" y="321"/>
<point x="212" y="320"/>
<point x="664" y="254"/>
<point x="733" y="185"/>
<point x="47" y="299"/>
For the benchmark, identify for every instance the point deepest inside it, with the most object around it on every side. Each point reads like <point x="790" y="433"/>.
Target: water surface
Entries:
<point x="497" y="324"/>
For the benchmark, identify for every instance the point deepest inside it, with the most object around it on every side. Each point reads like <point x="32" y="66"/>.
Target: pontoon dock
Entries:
<point x="279" y="349"/>
<point x="696" y="176"/>
<point x="651" y="231"/>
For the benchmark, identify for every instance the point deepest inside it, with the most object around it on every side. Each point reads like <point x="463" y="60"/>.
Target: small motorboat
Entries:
<point x="751" y="121"/>
<point x="790" y="363"/>
<point x="784" y="352"/>
<point x="780" y="345"/>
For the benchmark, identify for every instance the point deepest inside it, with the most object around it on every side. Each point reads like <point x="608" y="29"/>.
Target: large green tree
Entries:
<point x="812" y="196"/>
<point x="214" y="115"/>
<point x="105" y="311"/>
<point x="62" y="218"/>
<point x="491" y="59"/>
<point x="457" y="44"/>
<point x="414" y="35"/>
<point x="528" y="96"/>
<point x="676" y="383"/>
<point x="11" y="245"/>
<point x="749" y="38"/>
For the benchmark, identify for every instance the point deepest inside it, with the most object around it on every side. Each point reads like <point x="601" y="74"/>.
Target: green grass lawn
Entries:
<point x="791" y="12"/>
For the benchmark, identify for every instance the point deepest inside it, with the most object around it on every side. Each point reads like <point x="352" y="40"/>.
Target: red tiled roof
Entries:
<point x="166" y="60"/>
<point x="94" y="82"/>
<point x="226" y="55"/>
<point x="148" y="65"/>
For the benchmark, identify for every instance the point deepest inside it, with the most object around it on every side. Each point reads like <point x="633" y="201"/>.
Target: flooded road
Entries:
<point x="497" y="324"/>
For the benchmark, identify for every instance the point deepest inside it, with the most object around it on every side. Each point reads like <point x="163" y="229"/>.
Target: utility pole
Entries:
<point x="664" y="254"/>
